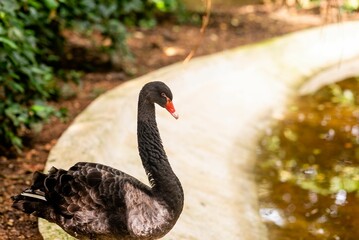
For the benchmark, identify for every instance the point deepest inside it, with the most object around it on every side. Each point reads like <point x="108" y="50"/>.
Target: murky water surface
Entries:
<point x="308" y="167"/>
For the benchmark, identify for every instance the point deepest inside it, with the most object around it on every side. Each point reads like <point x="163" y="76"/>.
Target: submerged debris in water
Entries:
<point x="308" y="169"/>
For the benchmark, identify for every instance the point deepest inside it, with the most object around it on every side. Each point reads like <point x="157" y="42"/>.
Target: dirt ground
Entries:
<point x="155" y="48"/>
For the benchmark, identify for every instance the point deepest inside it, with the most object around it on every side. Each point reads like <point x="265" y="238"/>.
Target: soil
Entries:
<point x="154" y="48"/>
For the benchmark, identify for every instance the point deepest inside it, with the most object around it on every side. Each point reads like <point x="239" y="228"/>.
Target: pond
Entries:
<point x="308" y="167"/>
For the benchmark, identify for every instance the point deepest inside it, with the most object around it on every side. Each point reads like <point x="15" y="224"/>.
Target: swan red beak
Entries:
<point x="171" y="109"/>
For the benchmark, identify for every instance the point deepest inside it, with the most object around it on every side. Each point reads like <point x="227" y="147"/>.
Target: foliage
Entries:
<point x="25" y="83"/>
<point x="110" y="17"/>
<point x="31" y="45"/>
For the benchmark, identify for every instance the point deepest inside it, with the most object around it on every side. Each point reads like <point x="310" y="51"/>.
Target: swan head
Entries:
<point x="159" y="93"/>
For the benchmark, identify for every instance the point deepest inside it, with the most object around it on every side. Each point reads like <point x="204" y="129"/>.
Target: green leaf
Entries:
<point x="42" y="111"/>
<point x="16" y="87"/>
<point x="9" y="5"/>
<point x="133" y="6"/>
<point x="107" y="10"/>
<point x="12" y="112"/>
<point x="51" y="4"/>
<point x="15" y="140"/>
<point x="8" y="42"/>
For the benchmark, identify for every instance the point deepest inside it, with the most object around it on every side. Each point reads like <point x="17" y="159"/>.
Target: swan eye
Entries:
<point x="163" y="95"/>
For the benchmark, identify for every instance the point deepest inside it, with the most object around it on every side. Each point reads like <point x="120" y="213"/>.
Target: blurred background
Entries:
<point x="56" y="56"/>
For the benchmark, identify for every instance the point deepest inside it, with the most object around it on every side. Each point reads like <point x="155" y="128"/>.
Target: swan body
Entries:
<point x="94" y="201"/>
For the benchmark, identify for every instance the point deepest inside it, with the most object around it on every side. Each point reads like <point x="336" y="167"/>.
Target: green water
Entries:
<point x="308" y="167"/>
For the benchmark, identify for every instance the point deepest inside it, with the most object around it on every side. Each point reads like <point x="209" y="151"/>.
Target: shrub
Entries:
<point x="31" y="45"/>
<point x="25" y="83"/>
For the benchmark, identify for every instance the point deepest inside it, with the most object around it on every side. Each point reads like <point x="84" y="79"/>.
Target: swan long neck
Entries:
<point x="163" y="180"/>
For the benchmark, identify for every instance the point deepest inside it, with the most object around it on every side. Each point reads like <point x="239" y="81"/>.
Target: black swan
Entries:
<point x="94" y="201"/>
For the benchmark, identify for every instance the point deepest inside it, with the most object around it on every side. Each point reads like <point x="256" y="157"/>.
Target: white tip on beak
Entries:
<point x="175" y="115"/>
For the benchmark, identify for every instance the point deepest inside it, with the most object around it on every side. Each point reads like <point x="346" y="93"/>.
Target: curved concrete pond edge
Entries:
<point x="225" y="101"/>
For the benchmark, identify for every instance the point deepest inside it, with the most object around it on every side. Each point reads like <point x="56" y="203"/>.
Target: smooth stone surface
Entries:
<point x="225" y="101"/>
